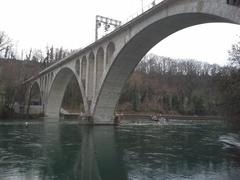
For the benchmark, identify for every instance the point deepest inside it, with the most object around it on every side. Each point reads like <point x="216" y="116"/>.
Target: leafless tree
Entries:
<point x="234" y="54"/>
<point x="6" y="46"/>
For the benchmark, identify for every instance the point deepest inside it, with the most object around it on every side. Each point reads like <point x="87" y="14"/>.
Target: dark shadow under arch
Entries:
<point x="99" y="66"/>
<point x="84" y="71"/>
<point x="72" y="99"/>
<point x="57" y="91"/>
<point x="77" y="67"/>
<point x="109" y="53"/>
<point x="35" y="95"/>
<point x="90" y="79"/>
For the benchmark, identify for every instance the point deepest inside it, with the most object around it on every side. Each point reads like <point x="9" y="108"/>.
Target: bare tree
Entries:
<point x="234" y="54"/>
<point x="37" y="55"/>
<point x="29" y="55"/>
<point x="6" y="46"/>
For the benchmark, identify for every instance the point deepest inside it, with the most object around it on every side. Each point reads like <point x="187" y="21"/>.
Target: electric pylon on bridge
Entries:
<point x="107" y="22"/>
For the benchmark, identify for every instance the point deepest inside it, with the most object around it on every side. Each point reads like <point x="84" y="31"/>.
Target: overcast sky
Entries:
<point x="71" y="24"/>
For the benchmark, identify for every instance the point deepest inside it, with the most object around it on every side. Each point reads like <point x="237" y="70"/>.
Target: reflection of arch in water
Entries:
<point x="92" y="155"/>
<point x="88" y="165"/>
<point x="81" y="164"/>
<point x="109" y="157"/>
<point x="98" y="158"/>
<point x="51" y="150"/>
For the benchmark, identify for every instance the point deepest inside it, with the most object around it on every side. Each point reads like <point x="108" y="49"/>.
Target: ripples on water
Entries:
<point x="136" y="151"/>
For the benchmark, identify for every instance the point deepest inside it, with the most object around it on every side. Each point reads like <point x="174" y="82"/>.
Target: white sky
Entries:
<point x="71" y="24"/>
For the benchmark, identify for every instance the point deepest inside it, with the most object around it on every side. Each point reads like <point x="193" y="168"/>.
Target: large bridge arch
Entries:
<point x="57" y="91"/>
<point x="143" y="36"/>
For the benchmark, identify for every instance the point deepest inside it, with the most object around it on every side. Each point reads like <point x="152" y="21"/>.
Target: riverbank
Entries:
<point x="17" y="116"/>
<point x="11" y="115"/>
<point x="175" y="117"/>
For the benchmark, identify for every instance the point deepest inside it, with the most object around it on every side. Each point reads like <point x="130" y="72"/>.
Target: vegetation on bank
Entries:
<point x="184" y="87"/>
<point x="230" y="85"/>
<point x="167" y="86"/>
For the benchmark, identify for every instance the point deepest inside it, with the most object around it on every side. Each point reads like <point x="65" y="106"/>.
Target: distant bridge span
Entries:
<point x="102" y="68"/>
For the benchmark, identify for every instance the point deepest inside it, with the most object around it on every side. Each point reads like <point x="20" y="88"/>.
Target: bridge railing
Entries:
<point x="142" y="11"/>
<point x="135" y="15"/>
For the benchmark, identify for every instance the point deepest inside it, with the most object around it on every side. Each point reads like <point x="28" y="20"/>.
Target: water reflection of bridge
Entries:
<point x="95" y="158"/>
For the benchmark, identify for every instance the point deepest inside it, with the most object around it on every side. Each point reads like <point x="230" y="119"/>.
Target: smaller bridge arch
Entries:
<point x="57" y="91"/>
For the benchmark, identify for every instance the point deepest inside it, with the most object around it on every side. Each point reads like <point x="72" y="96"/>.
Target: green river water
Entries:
<point x="177" y="150"/>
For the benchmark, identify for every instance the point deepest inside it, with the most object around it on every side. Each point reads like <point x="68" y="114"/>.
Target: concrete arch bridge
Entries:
<point x="102" y="68"/>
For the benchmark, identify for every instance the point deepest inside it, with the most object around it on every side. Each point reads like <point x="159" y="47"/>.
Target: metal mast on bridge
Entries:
<point x="107" y="22"/>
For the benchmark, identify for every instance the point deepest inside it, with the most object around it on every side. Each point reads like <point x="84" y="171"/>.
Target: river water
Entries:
<point x="178" y="150"/>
